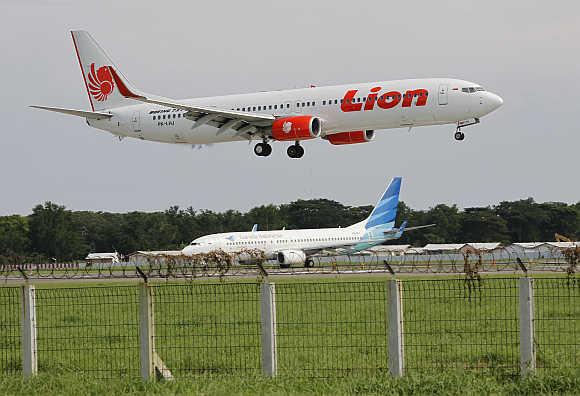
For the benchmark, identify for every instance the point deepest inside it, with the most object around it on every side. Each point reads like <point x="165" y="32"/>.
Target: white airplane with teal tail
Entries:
<point x="296" y="247"/>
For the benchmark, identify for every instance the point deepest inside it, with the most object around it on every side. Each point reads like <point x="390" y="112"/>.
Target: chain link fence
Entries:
<point x="461" y="323"/>
<point x="557" y="322"/>
<point x="250" y="262"/>
<point x="10" y="339"/>
<point x="326" y="329"/>
<point x="90" y="329"/>
<point x="331" y="328"/>
<point x="208" y="328"/>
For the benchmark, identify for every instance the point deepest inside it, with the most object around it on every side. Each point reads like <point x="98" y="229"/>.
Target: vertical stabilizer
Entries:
<point x="385" y="211"/>
<point x="99" y="82"/>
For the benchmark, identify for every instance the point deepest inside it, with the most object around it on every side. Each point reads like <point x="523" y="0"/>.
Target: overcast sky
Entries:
<point x="528" y="52"/>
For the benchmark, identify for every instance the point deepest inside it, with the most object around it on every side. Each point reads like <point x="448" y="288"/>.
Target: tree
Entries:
<point x="314" y="213"/>
<point x="14" y="235"/>
<point x="524" y="219"/>
<point x="54" y="233"/>
<point x="483" y="225"/>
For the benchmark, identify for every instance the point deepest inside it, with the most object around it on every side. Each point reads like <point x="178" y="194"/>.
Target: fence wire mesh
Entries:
<point x="557" y="322"/>
<point x="10" y="328"/>
<point x="323" y="329"/>
<point x="93" y="330"/>
<point x="331" y="329"/>
<point x="208" y="327"/>
<point x="459" y="323"/>
<point x="163" y="265"/>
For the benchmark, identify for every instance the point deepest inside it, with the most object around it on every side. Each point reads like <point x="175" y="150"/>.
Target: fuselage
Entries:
<point x="272" y="242"/>
<point x="343" y="108"/>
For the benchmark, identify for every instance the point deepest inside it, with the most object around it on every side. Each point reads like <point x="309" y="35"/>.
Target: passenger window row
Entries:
<point x="293" y="240"/>
<point x="328" y="102"/>
<point x="169" y="116"/>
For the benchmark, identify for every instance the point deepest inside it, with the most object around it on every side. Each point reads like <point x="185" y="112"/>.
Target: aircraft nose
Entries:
<point x="495" y="101"/>
<point x="187" y="251"/>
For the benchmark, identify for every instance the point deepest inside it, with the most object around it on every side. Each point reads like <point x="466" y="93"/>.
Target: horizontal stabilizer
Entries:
<point x="95" y="115"/>
<point x="404" y="227"/>
<point x="419" y="227"/>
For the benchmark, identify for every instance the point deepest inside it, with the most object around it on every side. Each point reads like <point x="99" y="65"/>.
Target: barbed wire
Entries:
<point x="253" y="262"/>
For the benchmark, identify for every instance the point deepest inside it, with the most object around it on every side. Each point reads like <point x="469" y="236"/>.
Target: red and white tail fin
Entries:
<point x="96" y="66"/>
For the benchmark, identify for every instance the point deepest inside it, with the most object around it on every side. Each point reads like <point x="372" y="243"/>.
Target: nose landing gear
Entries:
<point x="295" y="151"/>
<point x="462" y="124"/>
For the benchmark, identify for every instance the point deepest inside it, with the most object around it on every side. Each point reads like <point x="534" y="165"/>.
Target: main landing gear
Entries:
<point x="263" y="149"/>
<point x="295" y="151"/>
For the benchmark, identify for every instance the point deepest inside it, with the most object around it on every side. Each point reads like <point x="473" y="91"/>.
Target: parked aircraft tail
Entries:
<point x="385" y="211"/>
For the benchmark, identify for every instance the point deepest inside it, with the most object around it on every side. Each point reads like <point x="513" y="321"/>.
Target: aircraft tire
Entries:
<point x="262" y="149"/>
<point x="292" y="151"/>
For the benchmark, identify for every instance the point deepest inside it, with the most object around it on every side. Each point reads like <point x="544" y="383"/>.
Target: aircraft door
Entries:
<point x="443" y="88"/>
<point x="136" y="122"/>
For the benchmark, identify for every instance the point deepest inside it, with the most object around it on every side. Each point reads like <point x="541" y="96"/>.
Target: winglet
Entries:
<point x="255" y="228"/>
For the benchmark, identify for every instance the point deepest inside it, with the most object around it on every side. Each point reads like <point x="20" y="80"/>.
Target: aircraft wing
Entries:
<point x="243" y="123"/>
<point x="95" y="115"/>
<point x="330" y="251"/>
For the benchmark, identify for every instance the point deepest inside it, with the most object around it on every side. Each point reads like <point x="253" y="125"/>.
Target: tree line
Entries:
<point x="52" y="232"/>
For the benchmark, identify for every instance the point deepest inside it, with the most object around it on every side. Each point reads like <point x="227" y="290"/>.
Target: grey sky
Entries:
<point x="526" y="51"/>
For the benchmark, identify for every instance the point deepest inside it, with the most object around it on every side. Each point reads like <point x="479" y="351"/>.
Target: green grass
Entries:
<point x="327" y="327"/>
<point x="446" y="383"/>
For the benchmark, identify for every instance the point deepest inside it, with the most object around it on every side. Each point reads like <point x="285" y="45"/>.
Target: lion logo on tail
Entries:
<point x="100" y="82"/>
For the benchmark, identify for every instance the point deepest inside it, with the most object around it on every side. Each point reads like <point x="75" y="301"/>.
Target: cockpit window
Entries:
<point x="472" y="89"/>
<point x="193" y="244"/>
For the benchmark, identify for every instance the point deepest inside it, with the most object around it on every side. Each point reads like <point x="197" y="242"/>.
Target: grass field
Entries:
<point x="446" y="383"/>
<point x="326" y="328"/>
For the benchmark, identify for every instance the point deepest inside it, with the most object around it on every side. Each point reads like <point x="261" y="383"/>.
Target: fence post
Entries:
<point x="268" y="313"/>
<point x="527" y="349"/>
<point x="29" y="355"/>
<point x="146" y="340"/>
<point x="395" y="325"/>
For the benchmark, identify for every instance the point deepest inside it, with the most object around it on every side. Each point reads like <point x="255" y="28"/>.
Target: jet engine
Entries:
<point x="296" y="128"/>
<point x="351" y="137"/>
<point x="289" y="257"/>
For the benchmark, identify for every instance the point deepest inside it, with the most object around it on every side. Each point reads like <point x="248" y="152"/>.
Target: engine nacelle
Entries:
<point x="296" y="128"/>
<point x="289" y="257"/>
<point x="351" y="137"/>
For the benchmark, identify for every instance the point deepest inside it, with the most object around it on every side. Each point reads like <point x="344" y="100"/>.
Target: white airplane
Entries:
<point x="297" y="246"/>
<point x="342" y="114"/>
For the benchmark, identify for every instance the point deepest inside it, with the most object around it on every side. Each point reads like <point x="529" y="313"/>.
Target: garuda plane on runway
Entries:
<point x="292" y="247"/>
